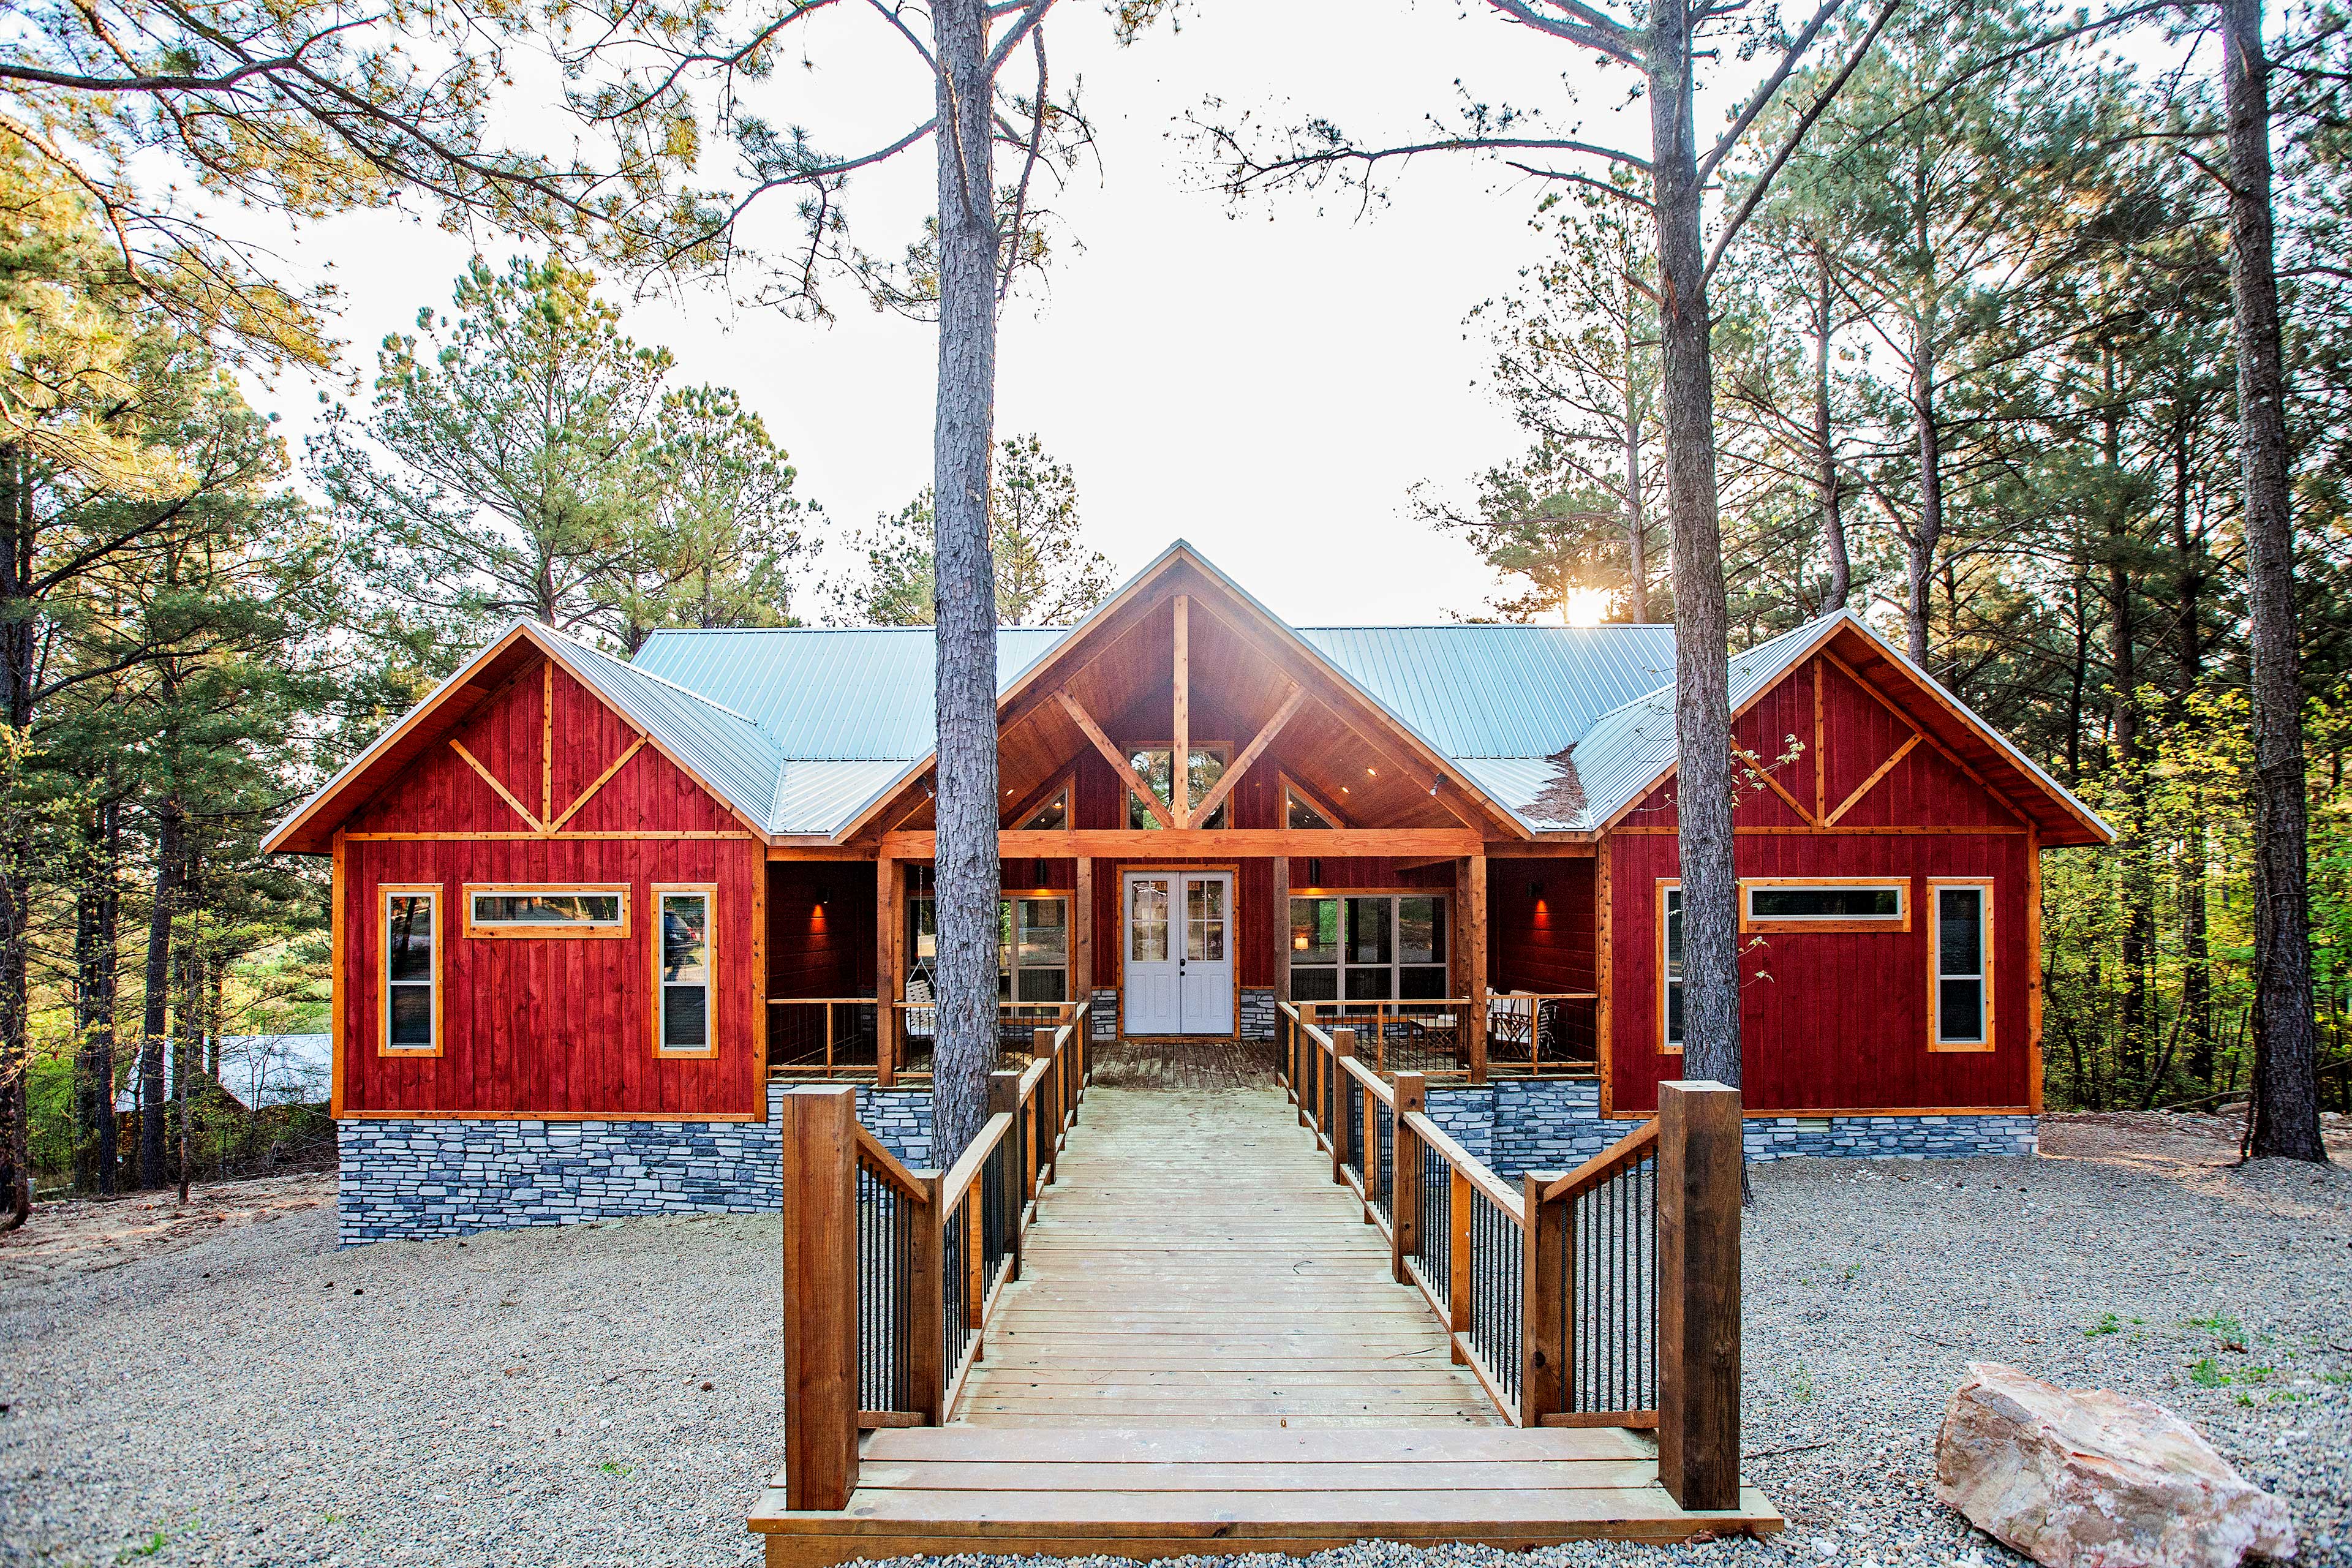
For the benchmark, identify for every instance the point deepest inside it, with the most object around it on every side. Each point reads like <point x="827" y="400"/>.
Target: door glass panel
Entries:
<point x="1204" y="922"/>
<point x="1367" y="933"/>
<point x="1147" y="922"/>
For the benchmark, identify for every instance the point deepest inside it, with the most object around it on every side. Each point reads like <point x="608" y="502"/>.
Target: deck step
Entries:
<point x="1169" y="1491"/>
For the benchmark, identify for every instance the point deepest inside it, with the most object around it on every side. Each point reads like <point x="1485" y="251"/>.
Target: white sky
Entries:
<point x="1265" y="383"/>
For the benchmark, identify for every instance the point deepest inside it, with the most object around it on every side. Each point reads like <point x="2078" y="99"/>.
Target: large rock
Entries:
<point x="2082" y="1477"/>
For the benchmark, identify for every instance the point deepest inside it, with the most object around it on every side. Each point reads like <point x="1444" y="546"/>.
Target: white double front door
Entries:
<point x="1180" y="954"/>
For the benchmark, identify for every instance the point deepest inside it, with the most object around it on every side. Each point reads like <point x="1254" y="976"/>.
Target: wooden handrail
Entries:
<point x="1469" y="1165"/>
<point x="886" y="1165"/>
<point x="1607" y="1163"/>
<point x="820" y="1001"/>
<point x="966" y="1170"/>
<point x="1373" y="1083"/>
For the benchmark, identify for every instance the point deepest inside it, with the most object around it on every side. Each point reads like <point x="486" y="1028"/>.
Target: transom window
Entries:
<point x="535" y="910"/>
<point x="1959" y="959"/>
<point x="682" y="972"/>
<point x="1807" y="904"/>
<point x="1152" y="764"/>
<point x="1368" y="947"/>
<point x="1033" y="947"/>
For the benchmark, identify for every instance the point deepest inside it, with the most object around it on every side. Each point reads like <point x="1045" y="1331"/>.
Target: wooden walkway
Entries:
<point x="1206" y="1352"/>
<point x="1194" y="1264"/>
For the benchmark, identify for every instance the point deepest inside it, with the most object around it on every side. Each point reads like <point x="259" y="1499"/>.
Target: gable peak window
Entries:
<point x="1299" y="813"/>
<point x="1154" y="763"/>
<point x="1052" y="817"/>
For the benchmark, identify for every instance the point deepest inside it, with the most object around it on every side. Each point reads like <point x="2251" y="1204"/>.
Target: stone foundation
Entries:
<point x="1257" y="1014"/>
<point x="1102" y="1018"/>
<point x="1516" y="1125"/>
<point x="453" y="1176"/>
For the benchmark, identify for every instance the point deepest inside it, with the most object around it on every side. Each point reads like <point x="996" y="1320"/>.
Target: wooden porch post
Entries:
<point x="1180" y="755"/>
<point x="1281" y="914"/>
<point x="1543" y="1302"/>
<point x="1698" y="1293"/>
<point x="819" y="1133"/>
<point x="1343" y="1046"/>
<point x="927" y="1316"/>
<point x="1082" y="915"/>
<point x="1050" y="1101"/>
<point x="888" y="883"/>
<point x="1404" y="1185"/>
<point x="1477" y="932"/>
<point x="1004" y="1095"/>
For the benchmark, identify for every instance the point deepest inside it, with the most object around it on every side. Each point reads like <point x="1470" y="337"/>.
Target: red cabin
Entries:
<point x="598" y="912"/>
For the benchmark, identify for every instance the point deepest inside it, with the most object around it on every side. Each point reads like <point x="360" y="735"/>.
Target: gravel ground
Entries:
<point x="220" y="1384"/>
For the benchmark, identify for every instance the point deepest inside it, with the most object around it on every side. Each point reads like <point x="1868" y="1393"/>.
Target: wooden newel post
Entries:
<point x="1404" y="1174"/>
<point x="1343" y="1046"/>
<point x="1543" y="1302"/>
<point x="1698" y="1293"/>
<point x="1049" y="1101"/>
<point x="927" y="1312"/>
<point x="819" y="1133"/>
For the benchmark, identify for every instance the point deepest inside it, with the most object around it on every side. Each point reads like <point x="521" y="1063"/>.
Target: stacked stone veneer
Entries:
<point x="450" y="1177"/>
<point x="1257" y="1014"/>
<point x="1102" y="1018"/>
<point x="1516" y="1125"/>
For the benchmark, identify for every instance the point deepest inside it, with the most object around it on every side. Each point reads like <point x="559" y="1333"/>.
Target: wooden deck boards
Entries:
<point x="1194" y="1264"/>
<point x="1207" y="1353"/>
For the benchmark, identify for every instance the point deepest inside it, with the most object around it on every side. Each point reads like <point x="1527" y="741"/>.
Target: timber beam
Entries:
<point x="1069" y="843"/>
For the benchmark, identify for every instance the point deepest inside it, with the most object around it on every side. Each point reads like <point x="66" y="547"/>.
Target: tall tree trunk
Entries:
<point x="98" y="908"/>
<point x="1702" y="655"/>
<point x="1637" y="521"/>
<point x="2189" y="606"/>
<point x="170" y="849"/>
<point x="18" y="630"/>
<point x="965" y="1051"/>
<point x="2138" y="882"/>
<point x="1825" y="482"/>
<point x="1928" y="533"/>
<point x="2286" y="1043"/>
<point x="2078" y="596"/>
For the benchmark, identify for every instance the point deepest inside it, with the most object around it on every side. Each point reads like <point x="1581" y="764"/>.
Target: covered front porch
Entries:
<point x="1463" y="967"/>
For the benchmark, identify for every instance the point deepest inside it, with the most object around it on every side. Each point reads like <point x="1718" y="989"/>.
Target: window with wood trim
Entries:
<point x="1152" y="763"/>
<point x="1670" y="967"/>
<point x="1302" y="812"/>
<point x="1368" y="947"/>
<point x="683" y="963"/>
<point x="1051" y="817"/>
<point x="545" y="910"/>
<point x="410" y="1004"/>
<point x="1033" y="947"/>
<point x="1959" y="965"/>
<point x="1824" y="904"/>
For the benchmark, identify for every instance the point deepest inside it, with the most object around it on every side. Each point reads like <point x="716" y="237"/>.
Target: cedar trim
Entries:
<point x="603" y="779"/>
<point x="848" y="855"/>
<point x="1118" y="762"/>
<point x="1759" y="770"/>
<point x="1546" y="849"/>
<point x="1867" y="785"/>
<point x="709" y="892"/>
<point x="1941" y="750"/>
<point x="338" y="951"/>
<point x="1180" y="727"/>
<point x="651" y="833"/>
<point x="2033" y="969"/>
<point x="547" y="744"/>
<point x="1841" y="831"/>
<point x="1794" y="926"/>
<point x="496" y="932"/>
<point x="760" y="976"/>
<point x="1936" y="1045"/>
<point x="1294" y="700"/>
<point x="505" y="793"/>
<point x="1604" y="978"/>
<point x="1664" y="1046"/>
<point x="384" y="894"/>
<point x="1333" y="890"/>
<point x="1757" y="1113"/>
<point x="1289" y="787"/>
<point x="1821" y="754"/>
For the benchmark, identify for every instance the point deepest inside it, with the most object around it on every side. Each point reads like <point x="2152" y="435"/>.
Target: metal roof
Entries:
<point x="726" y="750"/>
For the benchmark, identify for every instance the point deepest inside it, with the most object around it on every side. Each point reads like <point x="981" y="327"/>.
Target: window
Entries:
<point x="1959" y="967"/>
<point x="1033" y="947"/>
<point x="1152" y="763"/>
<point x="1670" y="967"/>
<point x="537" y="910"/>
<point x="682" y="1026"/>
<point x="1815" y="903"/>
<point x="1052" y="817"/>
<point x="1303" y="811"/>
<point x="1369" y="947"/>
<point x="412" y="971"/>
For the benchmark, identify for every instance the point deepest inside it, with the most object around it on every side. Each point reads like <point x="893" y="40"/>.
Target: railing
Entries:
<point x="1016" y="1021"/>
<point x="1555" y="1295"/>
<point x="1527" y="1034"/>
<point x="820" y="1036"/>
<point x="890" y="1274"/>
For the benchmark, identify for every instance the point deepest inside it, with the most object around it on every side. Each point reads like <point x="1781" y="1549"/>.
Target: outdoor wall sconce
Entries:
<point x="1535" y="890"/>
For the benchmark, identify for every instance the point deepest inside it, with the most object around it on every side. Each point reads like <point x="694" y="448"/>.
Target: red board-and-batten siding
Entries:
<point x="1842" y="1024"/>
<point x="536" y="1026"/>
